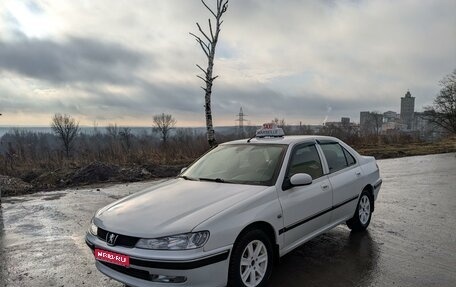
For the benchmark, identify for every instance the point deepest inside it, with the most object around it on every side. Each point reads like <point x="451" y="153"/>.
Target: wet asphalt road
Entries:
<point x="411" y="240"/>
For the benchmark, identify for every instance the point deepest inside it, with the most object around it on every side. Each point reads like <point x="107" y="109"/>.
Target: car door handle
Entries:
<point x="324" y="186"/>
<point x="358" y="173"/>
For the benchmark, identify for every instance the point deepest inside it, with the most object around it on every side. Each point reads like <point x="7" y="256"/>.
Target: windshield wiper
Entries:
<point x="212" y="179"/>
<point x="186" y="177"/>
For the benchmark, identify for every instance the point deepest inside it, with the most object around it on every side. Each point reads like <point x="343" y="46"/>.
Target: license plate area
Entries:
<point x="112" y="257"/>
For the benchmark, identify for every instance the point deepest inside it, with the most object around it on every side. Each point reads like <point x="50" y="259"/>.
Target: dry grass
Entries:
<point x="381" y="151"/>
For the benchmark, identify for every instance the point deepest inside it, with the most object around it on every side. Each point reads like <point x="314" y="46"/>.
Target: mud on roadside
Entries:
<point x="93" y="173"/>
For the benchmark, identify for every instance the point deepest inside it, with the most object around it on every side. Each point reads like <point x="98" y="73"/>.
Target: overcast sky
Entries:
<point x="121" y="62"/>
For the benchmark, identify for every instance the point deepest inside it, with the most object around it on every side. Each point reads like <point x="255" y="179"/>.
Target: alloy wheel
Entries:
<point x="364" y="209"/>
<point x="254" y="263"/>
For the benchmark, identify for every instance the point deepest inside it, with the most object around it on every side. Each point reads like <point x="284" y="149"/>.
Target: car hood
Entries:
<point x="174" y="207"/>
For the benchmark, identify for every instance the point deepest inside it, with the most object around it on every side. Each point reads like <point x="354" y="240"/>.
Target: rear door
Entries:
<point x="345" y="178"/>
<point x="305" y="208"/>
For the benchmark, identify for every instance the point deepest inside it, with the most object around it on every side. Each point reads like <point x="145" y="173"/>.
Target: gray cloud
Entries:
<point x="292" y="60"/>
<point x="74" y="60"/>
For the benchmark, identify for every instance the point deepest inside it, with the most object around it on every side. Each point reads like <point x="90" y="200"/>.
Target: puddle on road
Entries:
<point x="55" y="196"/>
<point x="336" y="258"/>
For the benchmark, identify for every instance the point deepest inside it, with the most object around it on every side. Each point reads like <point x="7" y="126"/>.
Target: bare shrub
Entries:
<point x="66" y="128"/>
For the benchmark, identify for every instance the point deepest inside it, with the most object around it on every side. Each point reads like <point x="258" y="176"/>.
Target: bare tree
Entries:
<point x="125" y="136"/>
<point x="376" y="121"/>
<point x="443" y="111"/>
<point x="281" y="123"/>
<point x="66" y="129"/>
<point x="208" y="43"/>
<point x="164" y="123"/>
<point x="372" y="124"/>
<point x="113" y="131"/>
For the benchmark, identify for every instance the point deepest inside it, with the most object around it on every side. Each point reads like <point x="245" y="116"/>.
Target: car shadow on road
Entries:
<point x="336" y="258"/>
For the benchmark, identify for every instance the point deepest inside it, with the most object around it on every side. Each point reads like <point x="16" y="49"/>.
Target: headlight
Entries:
<point x="176" y="242"/>
<point x="93" y="228"/>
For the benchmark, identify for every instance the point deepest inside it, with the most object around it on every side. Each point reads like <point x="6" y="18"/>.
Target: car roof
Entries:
<point x="286" y="140"/>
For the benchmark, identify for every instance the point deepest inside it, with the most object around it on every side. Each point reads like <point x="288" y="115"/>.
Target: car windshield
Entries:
<point x="239" y="163"/>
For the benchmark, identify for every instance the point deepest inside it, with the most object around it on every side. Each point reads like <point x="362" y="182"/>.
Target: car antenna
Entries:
<point x="251" y="138"/>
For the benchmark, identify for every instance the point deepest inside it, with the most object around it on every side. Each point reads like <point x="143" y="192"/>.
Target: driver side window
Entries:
<point x="305" y="159"/>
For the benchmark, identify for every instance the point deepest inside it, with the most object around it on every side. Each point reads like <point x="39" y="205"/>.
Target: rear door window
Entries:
<point x="335" y="156"/>
<point x="350" y="159"/>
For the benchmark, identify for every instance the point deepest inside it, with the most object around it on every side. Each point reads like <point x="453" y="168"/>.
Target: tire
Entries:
<point x="258" y="267"/>
<point x="363" y="214"/>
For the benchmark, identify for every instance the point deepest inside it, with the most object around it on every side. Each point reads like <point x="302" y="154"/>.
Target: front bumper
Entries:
<point x="198" y="267"/>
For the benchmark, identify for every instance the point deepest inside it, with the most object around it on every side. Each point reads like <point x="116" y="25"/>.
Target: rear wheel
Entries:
<point x="251" y="260"/>
<point x="363" y="214"/>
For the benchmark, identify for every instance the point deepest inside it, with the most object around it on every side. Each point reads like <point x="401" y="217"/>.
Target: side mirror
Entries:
<point x="300" y="179"/>
<point x="183" y="169"/>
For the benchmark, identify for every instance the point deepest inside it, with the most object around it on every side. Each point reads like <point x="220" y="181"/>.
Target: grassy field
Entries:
<point x="381" y="151"/>
<point x="28" y="179"/>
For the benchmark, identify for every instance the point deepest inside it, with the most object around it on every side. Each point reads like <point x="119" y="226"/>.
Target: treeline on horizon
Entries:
<point x="27" y="150"/>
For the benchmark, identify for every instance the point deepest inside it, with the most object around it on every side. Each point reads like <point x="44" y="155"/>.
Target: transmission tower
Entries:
<point x="241" y="118"/>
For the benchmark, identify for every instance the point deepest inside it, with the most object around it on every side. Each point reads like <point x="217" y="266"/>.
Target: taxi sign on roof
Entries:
<point x="269" y="130"/>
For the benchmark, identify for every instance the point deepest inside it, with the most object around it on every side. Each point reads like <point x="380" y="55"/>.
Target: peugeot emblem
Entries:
<point x="111" y="238"/>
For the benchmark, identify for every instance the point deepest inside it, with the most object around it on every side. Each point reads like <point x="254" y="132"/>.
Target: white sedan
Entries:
<point x="234" y="212"/>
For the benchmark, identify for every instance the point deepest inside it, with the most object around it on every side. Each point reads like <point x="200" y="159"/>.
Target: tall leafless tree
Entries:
<point x="66" y="128"/>
<point x="164" y="123"/>
<point x="376" y="122"/>
<point x="208" y="43"/>
<point x="443" y="112"/>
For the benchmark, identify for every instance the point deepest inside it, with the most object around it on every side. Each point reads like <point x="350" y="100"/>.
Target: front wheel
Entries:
<point x="251" y="260"/>
<point x="363" y="214"/>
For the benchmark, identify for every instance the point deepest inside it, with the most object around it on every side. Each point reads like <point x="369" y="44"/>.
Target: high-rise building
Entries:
<point x="345" y="121"/>
<point x="363" y="121"/>
<point x="407" y="109"/>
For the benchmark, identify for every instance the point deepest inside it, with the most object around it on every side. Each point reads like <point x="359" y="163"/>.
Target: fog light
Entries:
<point x="167" y="279"/>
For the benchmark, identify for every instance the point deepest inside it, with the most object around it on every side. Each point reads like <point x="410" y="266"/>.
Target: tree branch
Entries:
<point x="206" y="81"/>
<point x="203" y="45"/>
<point x="208" y="8"/>
<point x="204" y="71"/>
<point x="224" y="7"/>
<point x="202" y="32"/>
<point x="210" y="29"/>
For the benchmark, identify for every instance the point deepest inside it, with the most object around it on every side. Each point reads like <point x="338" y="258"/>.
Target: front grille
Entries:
<point x="137" y="273"/>
<point x="122" y="240"/>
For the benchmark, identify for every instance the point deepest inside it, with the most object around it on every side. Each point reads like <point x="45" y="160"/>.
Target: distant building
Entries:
<point x="364" y="118"/>
<point x="392" y="123"/>
<point x="390" y="116"/>
<point x="344" y="122"/>
<point x="370" y="123"/>
<point x="408" y="110"/>
<point x="408" y="122"/>
<point x="426" y="129"/>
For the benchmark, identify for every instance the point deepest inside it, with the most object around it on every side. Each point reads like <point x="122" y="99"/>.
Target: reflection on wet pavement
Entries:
<point x="410" y="242"/>
<point x="336" y="258"/>
<point x="3" y="261"/>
